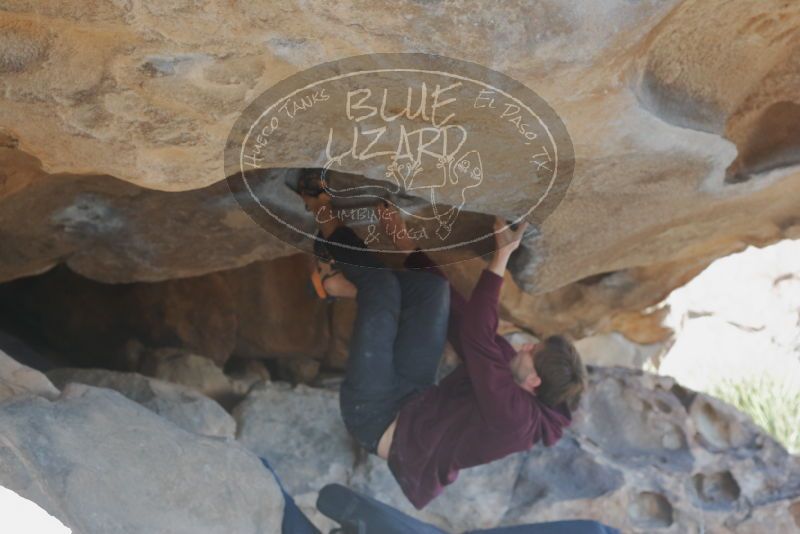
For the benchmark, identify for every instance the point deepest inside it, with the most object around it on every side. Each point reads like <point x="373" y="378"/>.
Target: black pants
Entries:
<point x="398" y="337"/>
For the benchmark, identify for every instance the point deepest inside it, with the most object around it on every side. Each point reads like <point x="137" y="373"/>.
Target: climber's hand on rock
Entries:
<point x="506" y="239"/>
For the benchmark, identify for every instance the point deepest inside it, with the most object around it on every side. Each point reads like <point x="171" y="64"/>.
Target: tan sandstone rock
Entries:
<point x="666" y="104"/>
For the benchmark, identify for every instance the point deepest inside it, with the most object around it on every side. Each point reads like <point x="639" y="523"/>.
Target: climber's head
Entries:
<point x="310" y="182"/>
<point x="552" y="370"/>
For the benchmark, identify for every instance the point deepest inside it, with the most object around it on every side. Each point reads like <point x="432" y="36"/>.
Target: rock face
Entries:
<point x="684" y="116"/>
<point x="101" y="463"/>
<point x="17" y="379"/>
<point x="189" y="370"/>
<point x="643" y="454"/>
<point x="649" y="456"/>
<point x="181" y="405"/>
<point x="614" y="349"/>
<point x="678" y="159"/>
<point x="307" y="452"/>
<point x="114" y="231"/>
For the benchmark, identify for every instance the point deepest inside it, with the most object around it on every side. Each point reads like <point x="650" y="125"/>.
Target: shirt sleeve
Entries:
<point x="501" y="401"/>
<point x="419" y="260"/>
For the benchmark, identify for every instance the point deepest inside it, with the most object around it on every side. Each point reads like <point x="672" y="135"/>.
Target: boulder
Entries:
<point x="245" y="373"/>
<point x="112" y="231"/>
<point x="25" y="353"/>
<point x="183" y="406"/>
<point x="302" y="435"/>
<point x="300" y="370"/>
<point x="193" y="371"/>
<point x="682" y="114"/>
<point x="17" y="379"/>
<point x="615" y="349"/>
<point x="643" y="454"/>
<point x="102" y="463"/>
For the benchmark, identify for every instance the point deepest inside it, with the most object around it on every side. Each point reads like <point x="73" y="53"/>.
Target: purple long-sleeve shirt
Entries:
<point x="475" y="415"/>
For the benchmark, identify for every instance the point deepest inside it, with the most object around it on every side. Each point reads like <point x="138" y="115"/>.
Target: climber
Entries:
<point x="498" y="402"/>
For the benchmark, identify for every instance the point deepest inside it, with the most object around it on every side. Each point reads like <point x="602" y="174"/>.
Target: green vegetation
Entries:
<point x="772" y="402"/>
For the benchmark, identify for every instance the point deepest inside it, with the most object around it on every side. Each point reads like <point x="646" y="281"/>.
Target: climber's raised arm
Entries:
<point x="506" y="241"/>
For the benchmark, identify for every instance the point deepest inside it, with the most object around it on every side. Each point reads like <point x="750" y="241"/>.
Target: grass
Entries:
<point x="772" y="402"/>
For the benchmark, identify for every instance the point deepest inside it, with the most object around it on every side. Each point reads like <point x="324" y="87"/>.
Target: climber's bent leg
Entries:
<point x="422" y="331"/>
<point x="370" y="392"/>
